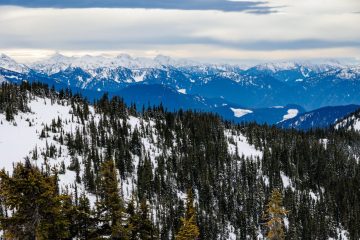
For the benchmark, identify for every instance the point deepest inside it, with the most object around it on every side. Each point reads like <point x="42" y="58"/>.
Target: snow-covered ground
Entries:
<point x="18" y="138"/>
<point x="287" y="183"/>
<point x="355" y="123"/>
<point x="341" y="234"/>
<point x="241" y="146"/>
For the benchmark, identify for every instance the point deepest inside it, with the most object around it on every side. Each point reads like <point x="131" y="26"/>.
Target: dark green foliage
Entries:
<point x="139" y="224"/>
<point x="38" y="211"/>
<point x="109" y="208"/>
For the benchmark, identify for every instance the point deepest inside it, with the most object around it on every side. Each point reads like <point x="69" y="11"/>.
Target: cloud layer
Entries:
<point x="298" y="29"/>
<point x="221" y="5"/>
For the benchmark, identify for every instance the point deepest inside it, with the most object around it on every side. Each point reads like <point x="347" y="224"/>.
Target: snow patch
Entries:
<point x="286" y="181"/>
<point x="266" y="180"/>
<point x="238" y="112"/>
<point x="286" y="222"/>
<point x="291" y="113"/>
<point x="313" y="196"/>
<point x="139" y="77"/>
<point x="182" y="91"/>
<point x="341" y="234"/>
<point x="239" y="144"/>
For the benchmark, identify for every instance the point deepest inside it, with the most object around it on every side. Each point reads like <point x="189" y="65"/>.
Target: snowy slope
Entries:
<point x="238" y="144"/>
<point x="20" y="137"/>
<point x="350" y="122"/>
<point x="318" y="118"/>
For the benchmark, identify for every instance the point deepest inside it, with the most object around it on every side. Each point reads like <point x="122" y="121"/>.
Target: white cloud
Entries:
<point x="296" y="31"/>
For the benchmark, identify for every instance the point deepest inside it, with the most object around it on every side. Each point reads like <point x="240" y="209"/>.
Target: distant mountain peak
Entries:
<point x="163" y="58"/>
<point x="323" y="66"/>
<point x="8" y="63"/>
<point x="124" y="56"/>
<point x="57" y="55"/>
<point x="4" y="56"/>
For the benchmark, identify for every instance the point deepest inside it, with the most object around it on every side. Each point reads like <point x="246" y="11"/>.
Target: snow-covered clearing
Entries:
<point x="241" y="145"/>
<point x="18" y="138"/>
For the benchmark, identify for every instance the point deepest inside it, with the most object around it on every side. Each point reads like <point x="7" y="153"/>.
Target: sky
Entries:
<point x="207" y="30"/>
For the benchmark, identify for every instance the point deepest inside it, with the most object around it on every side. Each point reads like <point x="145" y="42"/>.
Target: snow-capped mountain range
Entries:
<point x="59" y="62"/>
<point x="189" y="84"/>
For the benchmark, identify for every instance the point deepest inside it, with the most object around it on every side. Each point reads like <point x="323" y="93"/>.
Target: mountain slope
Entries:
<point x="148" y="95"/>
<point x="159" y="155"/>
<point x="319" y="118"/>
<point x="350" y="122"/>
<point x="10" y="64"/>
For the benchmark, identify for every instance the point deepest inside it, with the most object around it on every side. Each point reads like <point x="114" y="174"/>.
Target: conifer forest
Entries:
<point x="107" y="170"/>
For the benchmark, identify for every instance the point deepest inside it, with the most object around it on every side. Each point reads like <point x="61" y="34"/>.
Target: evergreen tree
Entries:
<point x="145" y="227"/>
<point x="275" y="216"/>
<point x="85" y="223"/>
<point x="110" y="205"/>
<point x="37" y="209"/>
<point x="138" y="222"/>
<point x="189" y="229"/>
<point x="133" y="219"/>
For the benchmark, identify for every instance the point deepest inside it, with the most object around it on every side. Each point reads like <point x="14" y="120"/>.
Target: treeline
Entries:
<point x="14" y="98"/>
<point x="162" y="154"/>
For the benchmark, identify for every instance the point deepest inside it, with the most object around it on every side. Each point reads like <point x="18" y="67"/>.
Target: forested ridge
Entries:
<point x="136" y="169"/>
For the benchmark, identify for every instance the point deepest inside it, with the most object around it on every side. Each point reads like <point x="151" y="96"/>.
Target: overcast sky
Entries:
<point x="207" y="30"/>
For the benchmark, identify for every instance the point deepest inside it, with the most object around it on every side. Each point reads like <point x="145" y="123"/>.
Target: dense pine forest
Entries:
<point x="147" y="173"/>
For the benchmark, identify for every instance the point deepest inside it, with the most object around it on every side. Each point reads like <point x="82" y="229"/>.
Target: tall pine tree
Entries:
<point x="110" y="207"/>
<point x="189" y="229"/>
<point x="275" y="216"/>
